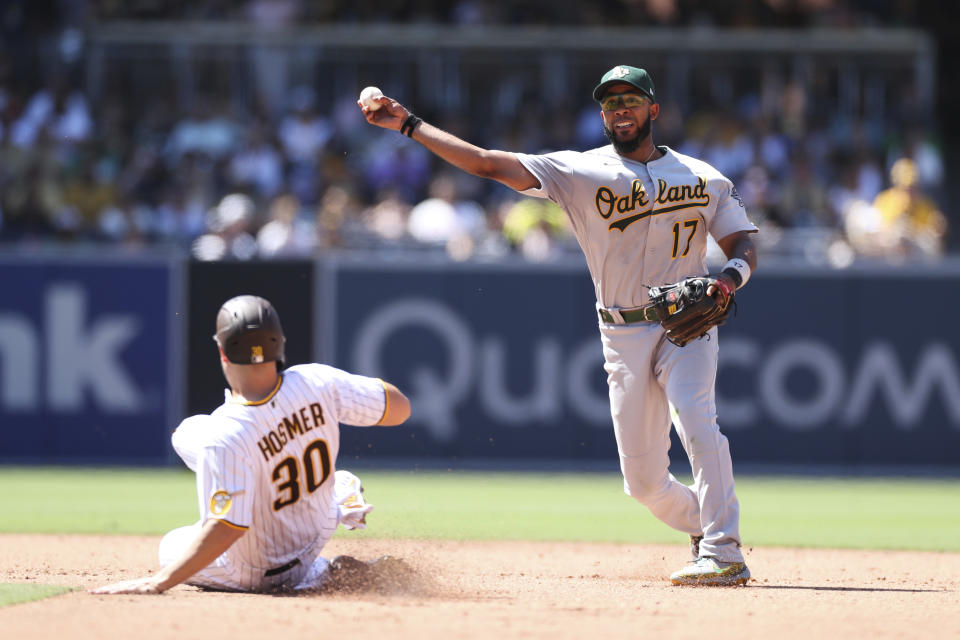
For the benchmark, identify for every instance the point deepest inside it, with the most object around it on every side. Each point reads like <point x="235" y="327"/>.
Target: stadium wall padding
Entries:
<point x="101" y="358"/>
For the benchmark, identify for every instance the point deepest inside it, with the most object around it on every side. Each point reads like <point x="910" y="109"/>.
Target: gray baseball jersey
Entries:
<point x="639" y="224"/>
<point x="268" y="467"/>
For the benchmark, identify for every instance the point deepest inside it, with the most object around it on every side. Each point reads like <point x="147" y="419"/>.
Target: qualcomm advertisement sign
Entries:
<point x="508" y="364"/>
<point x="84" y="362"/>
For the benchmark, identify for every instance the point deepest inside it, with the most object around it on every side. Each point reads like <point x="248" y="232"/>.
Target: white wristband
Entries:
<point x="740" y="266"/>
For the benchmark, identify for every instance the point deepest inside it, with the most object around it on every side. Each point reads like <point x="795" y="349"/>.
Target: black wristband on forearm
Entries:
<point x="409" y="125"/>
<point x="734" y="275"/>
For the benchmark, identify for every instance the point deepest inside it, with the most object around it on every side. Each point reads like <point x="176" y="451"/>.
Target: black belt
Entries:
<point x="629" y="316"/>
<point x="278" y="570"/>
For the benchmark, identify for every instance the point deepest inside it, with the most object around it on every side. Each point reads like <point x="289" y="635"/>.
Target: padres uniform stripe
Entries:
<point x="269" y="397"/>
<point x="386" y="406"/>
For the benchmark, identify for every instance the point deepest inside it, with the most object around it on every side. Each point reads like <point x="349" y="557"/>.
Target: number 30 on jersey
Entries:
<point x="287" y="472"/>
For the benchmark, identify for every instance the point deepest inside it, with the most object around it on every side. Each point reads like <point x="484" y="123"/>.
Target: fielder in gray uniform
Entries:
<point x="641" y="214"/>
<point x="269" y="493"/>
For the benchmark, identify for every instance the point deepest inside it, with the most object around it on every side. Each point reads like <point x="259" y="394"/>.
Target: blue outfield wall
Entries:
<point x="89" y="360"/>
<point x="507" y="363"/>
<point x="101" y="358"/>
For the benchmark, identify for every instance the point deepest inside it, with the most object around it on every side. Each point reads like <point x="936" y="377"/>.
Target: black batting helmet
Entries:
<point x="249" y="332"/>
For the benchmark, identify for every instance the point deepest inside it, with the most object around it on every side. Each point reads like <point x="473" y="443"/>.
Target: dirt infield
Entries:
<point x="499" y="590"/>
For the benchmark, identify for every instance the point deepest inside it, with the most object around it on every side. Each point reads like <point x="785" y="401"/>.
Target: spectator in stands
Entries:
<point x="537" y="229"/>
<point x="869" y="173"/>
<point x="208" y="132"/>
<point x="729" y="147"/>
<point x="304" y="134"/>
<point x="802" y="200"/>
<point x="393" y="162"/>
<point x="229" y="227"/>
<point x="387" y="218"/>
<point x="126" y="222"/>
<point x="911" y="221"/>
<point x="775" y="139"/>
<point x="771" y="148"/>
<point x="58" y="112"/>
<point x="287" y="234"/>
<point x="30" y="202"/>
<point x="179" y="218"/>
<point x="919" y="147"/>
<point x="338" y="221"/>
<point x="443" y="216"/>
<point x="270" y="63"/>
<point x="758" y="193"/>
<point x="258" y="165"/>
<point x="86" y="195"/>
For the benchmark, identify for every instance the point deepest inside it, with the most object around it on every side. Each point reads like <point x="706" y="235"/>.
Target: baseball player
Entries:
<point x="641" y="214"/>
<point x="269" y="492"/>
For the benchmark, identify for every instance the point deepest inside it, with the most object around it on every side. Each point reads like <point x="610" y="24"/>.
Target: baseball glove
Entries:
<point x="687" y="312"/>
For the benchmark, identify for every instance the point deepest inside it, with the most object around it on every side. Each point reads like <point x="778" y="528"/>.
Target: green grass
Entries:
<point x="919" y="514"/>
<point x="882" y="513"/>
<point x="14" y="593"/>
<point x="65" y="500"/>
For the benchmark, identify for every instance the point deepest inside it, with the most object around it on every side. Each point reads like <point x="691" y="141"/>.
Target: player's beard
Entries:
<point x="624" y="147"/>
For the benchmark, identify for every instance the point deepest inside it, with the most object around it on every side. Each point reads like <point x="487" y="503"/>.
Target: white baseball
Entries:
<point x="367" y="98"/>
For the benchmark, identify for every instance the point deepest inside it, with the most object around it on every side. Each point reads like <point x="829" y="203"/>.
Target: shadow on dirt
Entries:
<point x="868" y="589"/>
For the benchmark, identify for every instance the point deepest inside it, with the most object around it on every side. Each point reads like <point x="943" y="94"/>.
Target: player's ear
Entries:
<point x="654" y="110"/>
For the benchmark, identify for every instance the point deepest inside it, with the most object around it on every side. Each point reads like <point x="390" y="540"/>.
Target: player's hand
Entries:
<point x="390" y="115"/>
<point x="723" y="284"/>
<point x="148" y="585"/>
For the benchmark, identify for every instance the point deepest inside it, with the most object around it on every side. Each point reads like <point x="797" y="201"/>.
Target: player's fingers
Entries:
<point x="369" y="115"/>
<point x="372" y="114"/>
<point x="127" y="586"/>
<point x="719" y="294"/>
<point x="120" y="587"/>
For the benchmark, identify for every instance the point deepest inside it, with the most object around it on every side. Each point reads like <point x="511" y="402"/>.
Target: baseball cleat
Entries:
<point x="711" y="572"/>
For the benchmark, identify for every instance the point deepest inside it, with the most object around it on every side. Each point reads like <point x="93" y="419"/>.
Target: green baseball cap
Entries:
<point x="633" y="76"/>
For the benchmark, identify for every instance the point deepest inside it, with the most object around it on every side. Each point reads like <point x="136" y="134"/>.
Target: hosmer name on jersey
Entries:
<point x="296" y="424"/>
<point x="676" y="197"/>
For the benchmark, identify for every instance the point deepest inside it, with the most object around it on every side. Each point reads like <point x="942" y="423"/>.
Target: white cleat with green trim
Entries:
<point x="711" y="572"/>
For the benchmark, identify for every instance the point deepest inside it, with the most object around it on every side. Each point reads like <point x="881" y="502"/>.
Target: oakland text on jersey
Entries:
<point x="682" y="196"/>
<point x="608" y="201"/>
<point x="296" y="424"/>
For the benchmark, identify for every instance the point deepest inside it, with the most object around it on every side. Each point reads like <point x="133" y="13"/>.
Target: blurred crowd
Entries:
<point x="223" y="183"/>
<point x="732" y="13"/>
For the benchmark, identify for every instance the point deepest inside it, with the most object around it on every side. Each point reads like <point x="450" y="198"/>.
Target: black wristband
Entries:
<point x="409" y="125"/>
<point x="734" y="275"/>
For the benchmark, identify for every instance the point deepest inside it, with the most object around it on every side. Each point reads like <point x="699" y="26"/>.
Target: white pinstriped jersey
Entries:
<point x="268" y="467"/>
<point x="639" y="224"/>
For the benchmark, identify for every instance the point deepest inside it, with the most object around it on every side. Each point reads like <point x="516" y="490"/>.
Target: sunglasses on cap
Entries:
<point x="628" y="100"/>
